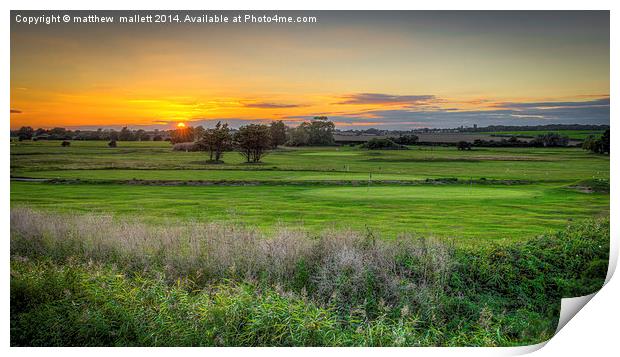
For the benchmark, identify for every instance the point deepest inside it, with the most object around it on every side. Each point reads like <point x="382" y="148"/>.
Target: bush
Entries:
<point x="406" y="139"/>
<point x="463" y="145"/>
<point x="383" y="144"/>
<point x="112" y="143"/>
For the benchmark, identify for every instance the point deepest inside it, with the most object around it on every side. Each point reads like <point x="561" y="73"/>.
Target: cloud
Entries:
<point x="604" y="102"/>
<point x="15" y="111"/>
<point x="266" y="105"/>
<point x="381" y="98"/>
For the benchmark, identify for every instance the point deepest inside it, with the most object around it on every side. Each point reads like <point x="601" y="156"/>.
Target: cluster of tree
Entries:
<point x="252" y="141"/>
<point x="125" y="134"/>
<point x="317" y="132"/>
<point x="512" y="142"/>
<point x="215" y="141"/>
<point x="186" y="134"/>
<point x="408" y="139"/>
<point x="545" y="140"/>
<point x="463" y="145"/>
<point x="550" y="139"/>
<point x="383" y="144"/>
<point x="597" y="145"/>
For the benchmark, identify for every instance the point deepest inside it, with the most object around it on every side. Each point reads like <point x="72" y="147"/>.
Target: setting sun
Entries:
<point x="181" y="125"/>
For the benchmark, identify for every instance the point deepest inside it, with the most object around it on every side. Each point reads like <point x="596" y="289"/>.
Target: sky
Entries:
<point x="383" y="69"/>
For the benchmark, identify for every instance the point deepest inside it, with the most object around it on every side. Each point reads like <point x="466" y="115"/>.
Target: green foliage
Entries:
<point x="463" y="145"/>
<point x="317" y="132"/>
<point x="277" y="131"/>
<point x="550" y="139"/>
<point x="215" y="141"/>
<point x="408" y="139"/>
<point x="383" y="144"/>
<point x="253" y="141"/>
<point x="598" y="145"/>
<point x="503" y="295"/>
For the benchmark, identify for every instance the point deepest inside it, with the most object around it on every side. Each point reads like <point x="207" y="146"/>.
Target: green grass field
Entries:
<point x="286" y="189"/>
<point x="334" y="246"/>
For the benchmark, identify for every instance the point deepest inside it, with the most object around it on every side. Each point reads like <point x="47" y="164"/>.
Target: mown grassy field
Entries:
<point x="466" y="213"/>
<point x="140" y="245"/>
<point x="318" y="188"/>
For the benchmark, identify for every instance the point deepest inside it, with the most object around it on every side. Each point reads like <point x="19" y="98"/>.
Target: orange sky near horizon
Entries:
<point x="346" y="67"/>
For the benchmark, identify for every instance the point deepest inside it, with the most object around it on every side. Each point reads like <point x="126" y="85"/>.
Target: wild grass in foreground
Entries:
<point x="93" y="280"/>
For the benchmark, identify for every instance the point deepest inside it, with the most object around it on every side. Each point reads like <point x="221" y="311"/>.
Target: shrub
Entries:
<point x="463" y="145"/>
<point x="406" y="139"/>
<point x="383" y="144"/>
<point x="112" y="143"/>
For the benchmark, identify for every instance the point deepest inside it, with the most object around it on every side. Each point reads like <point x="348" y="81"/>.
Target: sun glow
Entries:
<point x="181" y="125"/>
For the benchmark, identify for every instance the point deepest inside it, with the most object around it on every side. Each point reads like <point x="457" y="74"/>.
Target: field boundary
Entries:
<point x="428" y="181"/>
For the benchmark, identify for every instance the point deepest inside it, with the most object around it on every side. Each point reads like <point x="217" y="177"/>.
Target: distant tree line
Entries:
<point x="548" y="127"/>
<point x="476" y="129"/>
<point x="544" y="140"/>
<point x="125" y="134"/>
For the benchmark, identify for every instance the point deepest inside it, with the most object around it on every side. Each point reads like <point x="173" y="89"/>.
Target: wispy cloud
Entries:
<point x="381" y="98"/>
<point x="604" y="102"/>
<point x="15" y="111"/>
<point x="267" y="105"/>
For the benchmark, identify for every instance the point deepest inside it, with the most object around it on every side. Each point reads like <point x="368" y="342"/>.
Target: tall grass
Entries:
<point x="97" y="280"/>
<point x="337" y="265"/>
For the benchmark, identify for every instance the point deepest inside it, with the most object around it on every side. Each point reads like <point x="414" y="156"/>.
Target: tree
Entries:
<point x="321" y="131"/>
<point x="141" y="135"/>
<point x="383" y="144"/>
<point x="406" y="139"/>
<point x="216" y="141"/>
<point x="182" y="135"/>
<point x="598" y="146"/>
<point x="125" y="135"/>
<point x="550" y="140"/>
<point x="463" y="145"/>
<point x="198" y="132"/>
<point x="298" y="136"/>
<point x="113" y="136"/>
<point x="605" y="142"/>
<point x="253" y="141"/>
<point x="25" y="133"/>
<point x="278" y="133"/>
